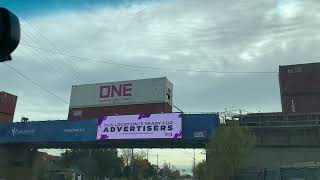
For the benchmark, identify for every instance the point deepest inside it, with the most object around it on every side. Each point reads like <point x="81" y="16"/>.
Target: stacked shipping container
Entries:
<point x="7" y="107"/>
<point x="300" y="88"/>
<point x="121" y="98"/>
<point x="95" y="112"/>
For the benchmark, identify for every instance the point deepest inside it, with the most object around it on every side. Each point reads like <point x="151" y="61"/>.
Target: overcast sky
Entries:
<point x="199" y="35"/>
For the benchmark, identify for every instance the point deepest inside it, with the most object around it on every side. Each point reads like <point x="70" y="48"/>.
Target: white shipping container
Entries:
<point x="156" y="90"/>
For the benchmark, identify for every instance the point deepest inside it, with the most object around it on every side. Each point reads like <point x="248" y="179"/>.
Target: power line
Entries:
<point x="47" y="45"/>
<point x="59" y="60"/>
<point x="35" y="83"/>
<point x="61" y="66"/>
<point x="175" y="107"/>
<point x="50" y="43"/>
<point x="46" y="61"/>
<point x="106" y="61"/>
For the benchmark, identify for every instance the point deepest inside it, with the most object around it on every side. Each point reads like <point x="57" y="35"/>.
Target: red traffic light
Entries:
<point x="9" y="33"/>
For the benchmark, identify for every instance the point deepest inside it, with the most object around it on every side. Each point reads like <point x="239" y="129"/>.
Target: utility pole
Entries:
<point x="157" y="162"/>
<point x="194" y="158"/>
<point x="148" y="154"/>
<point x="240" y="115"/>
<point x="90" y="153"/>
<point x="131" y="163"/>
<point x="207" y="163"/>
<point x="225" y="114"/>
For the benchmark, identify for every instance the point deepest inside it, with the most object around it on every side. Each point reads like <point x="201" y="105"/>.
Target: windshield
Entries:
<point x="161" y="89"/>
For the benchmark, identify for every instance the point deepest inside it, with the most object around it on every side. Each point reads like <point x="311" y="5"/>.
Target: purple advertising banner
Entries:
<point x="144" y="126"/>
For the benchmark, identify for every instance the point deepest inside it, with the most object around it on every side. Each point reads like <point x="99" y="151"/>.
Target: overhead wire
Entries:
<point x="27" y="54"/>
<point x="39" y="57"/>
<point x="58" y="67"/>
<point x="34" y="82"/>
<point x="72" y="68"/>
<point x="106" y="61"/>
<point x="56" y="51"/>
<point x="58" y="60"/>
<point x="43" y="47"/>
<point x="42" y="58"/>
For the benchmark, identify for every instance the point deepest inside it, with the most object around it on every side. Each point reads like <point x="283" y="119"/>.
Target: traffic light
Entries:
<point x="9" y="34"/>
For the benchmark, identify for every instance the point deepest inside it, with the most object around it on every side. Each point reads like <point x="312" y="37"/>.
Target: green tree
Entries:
<point x="71" y="157"/>
<point x="228" y="148"/>
<point x="42" y="170"/>
<point x="150" y="171"/>
<point x="143" y="169"/>
<point x="141" y="166"/>
<point x="108" y="162"/>
<point x="199" y="172"/>
<point x="68" y="175"/>
<point x="165" y="171"/>
<point x="89" y="167"/>
<point x="126" y="156"/>
<point x="93" y="163"/>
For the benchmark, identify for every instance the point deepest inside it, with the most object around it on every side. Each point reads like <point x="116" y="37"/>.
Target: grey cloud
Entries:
<point x="220" y="35"/>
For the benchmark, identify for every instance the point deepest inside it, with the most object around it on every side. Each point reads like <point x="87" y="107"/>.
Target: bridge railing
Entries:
<point x="297" y="120"/>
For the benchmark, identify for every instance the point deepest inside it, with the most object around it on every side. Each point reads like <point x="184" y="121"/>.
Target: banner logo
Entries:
<point x="16" y="131"/>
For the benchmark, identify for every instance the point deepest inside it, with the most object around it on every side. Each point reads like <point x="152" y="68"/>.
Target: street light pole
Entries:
<point x="131" y="163"/>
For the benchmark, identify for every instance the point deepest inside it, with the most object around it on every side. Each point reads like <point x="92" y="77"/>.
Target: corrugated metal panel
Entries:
<point x="199" y="126"/>
<point x="95" y="112"/>
<point x="157" y="90"/>
<point x="300" y="79"/>
<point x="301" y="104"/>
<point x="300" y="88"/>
<point x="6" y="118"/>
<point x="7" y="103"/>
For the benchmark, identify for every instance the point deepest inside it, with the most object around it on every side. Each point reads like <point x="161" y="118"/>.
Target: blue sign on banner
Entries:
<point x="199" y="126"/>
<point x="49" y="131"/>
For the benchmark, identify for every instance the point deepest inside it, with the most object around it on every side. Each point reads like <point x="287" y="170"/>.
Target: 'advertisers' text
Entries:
<point x="145" y="126"/>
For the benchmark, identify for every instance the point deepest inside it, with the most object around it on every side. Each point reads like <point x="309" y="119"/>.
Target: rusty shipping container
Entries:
<point x="301" y="103"/>
<point x="300" y="88"/>
<point x="6" y="118"/>
<point x="7" y="103"/>
<point x="300" y="79"/>
<point x="95" y="112"/>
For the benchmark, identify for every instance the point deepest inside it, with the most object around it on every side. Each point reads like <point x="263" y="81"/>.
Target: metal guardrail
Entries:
<point x="311" y="123"/>
<point x="312" y="120"/>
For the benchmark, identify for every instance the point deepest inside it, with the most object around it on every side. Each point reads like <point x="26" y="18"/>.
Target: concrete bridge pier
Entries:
<point x="275" y="157"/>
<point x="17" y="163"/>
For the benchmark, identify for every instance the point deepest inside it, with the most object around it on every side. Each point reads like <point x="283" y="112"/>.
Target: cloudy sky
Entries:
<point x="218" y="54"/>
